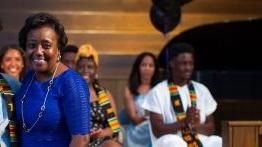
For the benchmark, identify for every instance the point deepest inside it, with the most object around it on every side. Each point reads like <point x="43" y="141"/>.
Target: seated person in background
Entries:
<point x="104" y="123"/>
<point x="181" y="109"/>
<point x="144" y="76"/>
<point x="13" y="61"/>
<point x="68" y="55"/>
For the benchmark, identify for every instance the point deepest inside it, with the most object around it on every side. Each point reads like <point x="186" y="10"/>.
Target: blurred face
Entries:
<point x="42" y="49"/>
<point x="183" y="66"/>
<point x="147" y="68"/>
<point x="68" y="59"/>
<point x="12" y="63"/>
<point x="87" y="68"/>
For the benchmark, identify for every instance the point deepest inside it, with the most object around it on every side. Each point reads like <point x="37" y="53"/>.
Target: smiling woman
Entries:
<point x="104" y="122"/>
<point x="13" y="61"/>
<point x="53" y="102"/>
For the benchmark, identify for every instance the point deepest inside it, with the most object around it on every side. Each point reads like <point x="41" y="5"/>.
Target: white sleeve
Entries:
<point x="210" y="103"/>
<point x="151" y="102"/>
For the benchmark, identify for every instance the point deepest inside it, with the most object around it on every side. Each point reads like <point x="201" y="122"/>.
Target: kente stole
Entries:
<point x="8" y="94"/>
<point x="189" y="136"/>
<point x="104" y="101"/>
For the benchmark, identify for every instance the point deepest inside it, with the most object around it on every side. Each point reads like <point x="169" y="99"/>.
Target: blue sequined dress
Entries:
<point x="66" y="114"/>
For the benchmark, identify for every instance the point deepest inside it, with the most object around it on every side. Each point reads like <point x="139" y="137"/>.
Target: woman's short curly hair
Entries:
<point x="39" y="20"/>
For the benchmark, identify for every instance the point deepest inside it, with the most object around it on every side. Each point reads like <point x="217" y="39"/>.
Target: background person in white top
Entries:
<point x="165" y="129"/>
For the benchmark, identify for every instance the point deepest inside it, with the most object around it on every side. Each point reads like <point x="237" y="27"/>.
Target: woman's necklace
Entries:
<point x="42" y="109"/>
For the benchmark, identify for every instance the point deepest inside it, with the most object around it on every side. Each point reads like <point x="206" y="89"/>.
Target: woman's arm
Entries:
<point x="131" y="107"/>
<point x="79" y="141"/>
<point x="76" y="105"/>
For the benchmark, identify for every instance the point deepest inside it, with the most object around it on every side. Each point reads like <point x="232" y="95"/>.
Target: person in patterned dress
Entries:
<point x="102" y="135"/>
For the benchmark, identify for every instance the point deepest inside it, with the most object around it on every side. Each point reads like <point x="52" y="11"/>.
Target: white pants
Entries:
<point x="171" y="140"/>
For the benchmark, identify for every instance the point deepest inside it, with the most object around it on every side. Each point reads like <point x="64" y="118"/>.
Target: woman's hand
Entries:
<point x="101" y="133"/>
<point x="95" y="133"/>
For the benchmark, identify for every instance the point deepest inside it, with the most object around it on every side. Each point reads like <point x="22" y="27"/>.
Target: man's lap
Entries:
<point x="177" y="141"/>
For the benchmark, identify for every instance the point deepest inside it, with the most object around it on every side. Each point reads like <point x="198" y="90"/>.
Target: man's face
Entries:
<point x="182" y="66"/>
<point x="68" y="59"/>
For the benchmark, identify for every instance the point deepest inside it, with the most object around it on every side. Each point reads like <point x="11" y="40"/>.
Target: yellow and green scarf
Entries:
<point x="104" y="101"/>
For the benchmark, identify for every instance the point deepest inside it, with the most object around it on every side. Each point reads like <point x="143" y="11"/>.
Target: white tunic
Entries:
<point x="158" y="101"/>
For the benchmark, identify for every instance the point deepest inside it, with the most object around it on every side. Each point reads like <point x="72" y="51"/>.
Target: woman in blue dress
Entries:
<point x="52" y="105"/>
<point x="144" y="75"/>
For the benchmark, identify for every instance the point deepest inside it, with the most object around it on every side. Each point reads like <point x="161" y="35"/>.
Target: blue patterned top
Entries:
<point x="138" y="135"/>
<point x="66" y="114"/>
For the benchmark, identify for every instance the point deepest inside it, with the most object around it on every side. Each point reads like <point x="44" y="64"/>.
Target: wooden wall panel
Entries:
<point x="119" y="28"/>
<point x="203" y="6"/>
<point x="119" y="33"/>
<point x="244" y="136"/>
<point x="241" y="133"/>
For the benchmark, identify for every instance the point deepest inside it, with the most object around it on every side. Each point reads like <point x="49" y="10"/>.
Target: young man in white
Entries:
<point x="166" y="124"/>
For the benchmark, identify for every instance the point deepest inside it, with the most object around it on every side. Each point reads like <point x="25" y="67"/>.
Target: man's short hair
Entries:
<point x="70" y="48"/>
<point x="178" y="48"/>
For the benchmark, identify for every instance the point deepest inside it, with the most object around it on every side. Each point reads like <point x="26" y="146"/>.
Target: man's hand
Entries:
<point x="193" y="117"/>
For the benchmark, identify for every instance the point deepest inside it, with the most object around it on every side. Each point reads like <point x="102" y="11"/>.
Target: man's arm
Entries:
<point x="193" y="118"/>
<point x="208" y="127"/>
<point x="159" y="128"/>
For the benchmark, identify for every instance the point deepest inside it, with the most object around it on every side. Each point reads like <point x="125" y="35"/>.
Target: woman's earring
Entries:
<point x="58" y="57"/>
